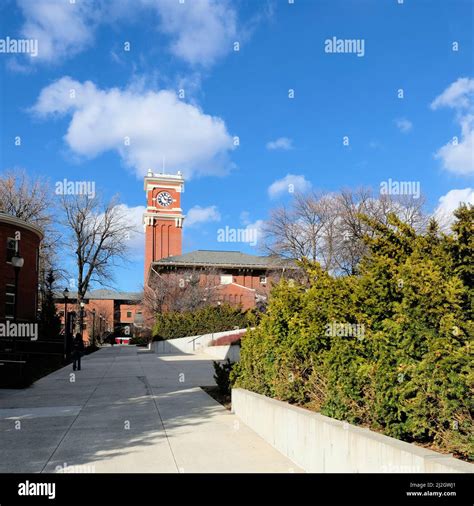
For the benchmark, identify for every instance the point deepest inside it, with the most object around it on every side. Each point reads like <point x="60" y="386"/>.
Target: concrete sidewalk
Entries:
<point x="129" y="410"/>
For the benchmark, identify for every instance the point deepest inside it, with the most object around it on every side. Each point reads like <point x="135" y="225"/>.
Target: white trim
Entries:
<point x="151" y="187"/>
<point x="234" y="284"/>
<point x="150" y="218"/>
<point x="154" y="208"/>
<point x="13" y="220"/>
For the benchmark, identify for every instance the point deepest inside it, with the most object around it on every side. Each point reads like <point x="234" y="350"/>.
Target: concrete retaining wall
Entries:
<point x="191" y="344"/>
<point x="224" y="352"/>
<point x="321" y="444"/>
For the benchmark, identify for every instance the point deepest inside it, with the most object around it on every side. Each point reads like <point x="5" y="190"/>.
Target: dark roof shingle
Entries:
<point x="102" y="294"/>
<point x="226" y="259"/>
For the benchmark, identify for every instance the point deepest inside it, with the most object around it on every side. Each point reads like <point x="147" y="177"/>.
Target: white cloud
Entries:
<point x="62" y="28"/>
<point x="255" y="230"/>
<point x="198" y="214"/>
<point x="457" y="156"/>
<point x="456" y="95"/>
<point x="289" y="184"/>
<point x="450" y="202"/>
<point x="202" y="31"/>
<point x="136" y="239"/>
<point x="143" y="127"/>
<point x="280" y="143"/>
<point x="404" y="125"/>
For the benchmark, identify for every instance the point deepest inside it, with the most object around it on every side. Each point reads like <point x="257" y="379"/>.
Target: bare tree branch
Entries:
<point x="99" y="234"/>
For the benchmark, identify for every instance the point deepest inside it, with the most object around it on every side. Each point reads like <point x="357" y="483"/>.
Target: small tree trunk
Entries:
<point x="80" y="315"/>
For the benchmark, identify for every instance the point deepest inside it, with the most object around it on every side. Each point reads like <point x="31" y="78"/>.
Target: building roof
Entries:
<point x="103" y="294"/>
<point x="18" y="222"/>
<point x="211" y="258"/>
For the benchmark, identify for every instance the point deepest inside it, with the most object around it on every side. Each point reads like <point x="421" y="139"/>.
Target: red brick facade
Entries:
<point x="25" y="239"/>
<point x="111" y="314"/>
<point x="163" y="218"/>
<point x="231" y="276"/>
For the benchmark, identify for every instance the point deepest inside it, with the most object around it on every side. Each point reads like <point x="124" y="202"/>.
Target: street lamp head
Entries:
<point x="18" y="262"/>
<point x="66" y="292"/>
<point x="83" y="304"/>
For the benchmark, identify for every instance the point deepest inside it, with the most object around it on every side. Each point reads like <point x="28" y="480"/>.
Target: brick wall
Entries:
<point x="28" y="275"/>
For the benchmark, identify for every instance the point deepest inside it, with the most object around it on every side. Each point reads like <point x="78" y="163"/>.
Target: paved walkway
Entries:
<point x="129" y="410"/>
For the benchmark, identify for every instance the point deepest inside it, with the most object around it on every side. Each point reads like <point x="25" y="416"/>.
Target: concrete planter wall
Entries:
<point x="320" y="444"/>
<point x="191" y="344"/>
<point x="224" y="352"/>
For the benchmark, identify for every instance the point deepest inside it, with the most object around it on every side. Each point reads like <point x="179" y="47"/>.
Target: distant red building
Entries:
<point x="106" y="312"/>
<point x="19" y="269"/>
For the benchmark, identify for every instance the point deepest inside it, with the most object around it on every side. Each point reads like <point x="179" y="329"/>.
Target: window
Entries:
<point x="129" y="314"/>
<point x="226" y="279"/>
<point x="10" y="301"/>
<point x="12" y="248"/>
<point x="263" y="280"/>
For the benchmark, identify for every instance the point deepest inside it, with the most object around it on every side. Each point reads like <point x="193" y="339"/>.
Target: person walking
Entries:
<point x="77" y="351"/>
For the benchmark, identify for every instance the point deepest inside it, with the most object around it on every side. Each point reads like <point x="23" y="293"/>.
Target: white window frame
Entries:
<point x="15" y="249"/>
<point x="10" y="291"/>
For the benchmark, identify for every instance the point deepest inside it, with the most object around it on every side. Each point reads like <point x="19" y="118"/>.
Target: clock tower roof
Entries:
<point x="156" y="178"/>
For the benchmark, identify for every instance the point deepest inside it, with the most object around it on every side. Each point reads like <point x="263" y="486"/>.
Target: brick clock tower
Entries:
<point x="163" y="218"/>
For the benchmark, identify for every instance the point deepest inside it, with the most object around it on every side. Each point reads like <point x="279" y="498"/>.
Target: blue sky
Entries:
<point x="421" y="47"/>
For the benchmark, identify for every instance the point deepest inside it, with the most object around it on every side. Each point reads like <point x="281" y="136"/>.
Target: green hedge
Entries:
<point x="201" y="321"/>
<point x="387" y="349"/>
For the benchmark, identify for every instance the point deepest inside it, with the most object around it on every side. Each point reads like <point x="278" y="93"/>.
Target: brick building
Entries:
<point x="229" y="276"/>
<point x="19" y="269"/>
<point x="106" y="313"/>
<point x="232" y="276"/>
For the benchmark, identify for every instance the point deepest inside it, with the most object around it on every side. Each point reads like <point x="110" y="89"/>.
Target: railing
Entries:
<point x="197" y="337"/>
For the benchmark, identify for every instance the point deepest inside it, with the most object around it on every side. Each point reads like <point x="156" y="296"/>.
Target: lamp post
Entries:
<point x="81" y="319"/>
<point x="93" y="327"/>
<point x="66" y="326"/>
<point x="17" y="262"/>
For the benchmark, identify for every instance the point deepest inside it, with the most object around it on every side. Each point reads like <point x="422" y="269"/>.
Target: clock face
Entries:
<point x="164" y="199"/>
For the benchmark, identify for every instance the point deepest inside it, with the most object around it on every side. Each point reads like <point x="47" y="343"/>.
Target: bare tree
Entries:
<point x="299" y="232"/>
<point x="31" y="200"/>
<point x="182" y="290"/>
<point x="99" y="235"/>
<point x="328" y="227"/>
<point x="25" y="198"/>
